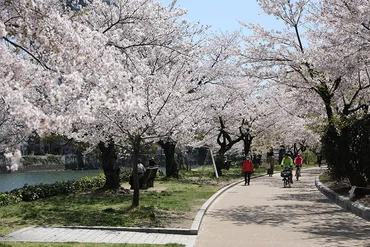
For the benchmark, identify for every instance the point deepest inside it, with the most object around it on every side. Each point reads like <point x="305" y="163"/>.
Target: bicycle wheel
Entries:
<point x="286" y="182"/>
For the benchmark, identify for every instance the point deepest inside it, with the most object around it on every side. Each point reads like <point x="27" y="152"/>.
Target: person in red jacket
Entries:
<point x="247" y="169"/>
<point x="298" y="161"/>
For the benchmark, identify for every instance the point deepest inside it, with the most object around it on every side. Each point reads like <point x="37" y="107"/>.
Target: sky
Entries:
<point x="224" y="15"/>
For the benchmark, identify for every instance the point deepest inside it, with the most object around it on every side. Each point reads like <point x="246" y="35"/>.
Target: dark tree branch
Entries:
<point x="29" y="53"/>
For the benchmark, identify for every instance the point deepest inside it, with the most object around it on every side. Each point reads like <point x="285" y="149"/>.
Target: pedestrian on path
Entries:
<point x="247" y="169"/>
<point x="270" y="164"/>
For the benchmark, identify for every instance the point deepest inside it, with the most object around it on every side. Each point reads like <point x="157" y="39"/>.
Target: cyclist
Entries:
<point x="298" y="161"/>
<point x="287" y="163"/>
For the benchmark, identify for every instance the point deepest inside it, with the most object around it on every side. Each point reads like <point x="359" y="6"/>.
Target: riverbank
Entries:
<point x="14" y="180"/>
<point x="48" y="162"/>
<point x="42" y="168"/>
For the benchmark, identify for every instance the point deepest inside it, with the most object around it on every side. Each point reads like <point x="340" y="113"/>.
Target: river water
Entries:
<point x="10" y="181"/>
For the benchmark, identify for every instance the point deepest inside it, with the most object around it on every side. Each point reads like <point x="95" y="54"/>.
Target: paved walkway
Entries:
<point x="262" y="214"/>
<point x="266" y="214"/>
<point x="55" y="234"/>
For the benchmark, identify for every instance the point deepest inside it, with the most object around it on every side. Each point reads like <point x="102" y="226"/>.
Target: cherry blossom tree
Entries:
<point x="238" y="111"/>
<point x="214" y="64"/>
<point x="321" y="53"/>
<point x="159" y="54"/>
<point x="114" y="73"/>
<point x="53" y="62"/>
<point x="83" y="73"/>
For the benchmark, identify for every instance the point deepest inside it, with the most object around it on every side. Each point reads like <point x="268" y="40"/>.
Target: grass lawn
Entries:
<point x="29" y="244"/>
<point x="158" y="208"/>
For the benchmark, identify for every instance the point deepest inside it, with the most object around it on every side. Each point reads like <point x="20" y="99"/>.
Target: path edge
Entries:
<point x="344" y="202"/>
<point x="199" y="217"/>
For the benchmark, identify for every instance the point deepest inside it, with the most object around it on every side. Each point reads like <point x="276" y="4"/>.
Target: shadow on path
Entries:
<point x="303" y="209"/>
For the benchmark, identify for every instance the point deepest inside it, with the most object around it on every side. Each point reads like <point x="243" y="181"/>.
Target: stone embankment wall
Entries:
<point x="50" y="162"/>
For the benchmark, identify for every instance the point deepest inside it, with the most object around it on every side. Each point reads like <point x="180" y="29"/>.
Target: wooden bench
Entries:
<point x="149" y="177"/>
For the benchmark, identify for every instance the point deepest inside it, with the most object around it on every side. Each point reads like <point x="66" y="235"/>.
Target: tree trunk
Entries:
<point x="220" y="162"/>
<point x="80" y="160"/>
<point x="109" y="164"/>
<point x="135" y="157"/>
<point x="226" y="143"/>
<point x="281" y="154"/>
<point x="247" y="141"/>
<point x="169" y="151"/>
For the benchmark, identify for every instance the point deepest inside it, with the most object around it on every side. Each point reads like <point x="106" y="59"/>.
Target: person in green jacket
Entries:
<point x="287" y="163"/>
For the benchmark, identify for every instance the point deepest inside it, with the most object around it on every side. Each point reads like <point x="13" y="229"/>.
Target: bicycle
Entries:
<point x="286" y="174"/>
<point x="298" y="172"/>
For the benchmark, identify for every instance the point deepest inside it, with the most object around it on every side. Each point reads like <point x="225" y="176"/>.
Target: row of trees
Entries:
<point x="322" y="56"/>
<point x="134" y="72"/>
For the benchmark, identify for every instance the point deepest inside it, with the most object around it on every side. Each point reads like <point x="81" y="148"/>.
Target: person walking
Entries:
<point x="140" y="174"/>
<point x="270" y="164"/>
<point x="247" y="169"/>
<point x="268" y="168"/>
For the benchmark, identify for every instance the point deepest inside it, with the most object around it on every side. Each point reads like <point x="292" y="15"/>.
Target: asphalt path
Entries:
<point x="266" y="214"/>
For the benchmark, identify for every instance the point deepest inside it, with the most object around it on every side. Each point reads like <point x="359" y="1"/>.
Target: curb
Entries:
<point x="344" y="202"/>
<point x="180" y="231"/>
<point x="198" y="218"/>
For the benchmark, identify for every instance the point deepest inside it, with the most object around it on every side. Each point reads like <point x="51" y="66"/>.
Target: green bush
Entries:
<point x="359" y="151"/>
<point x="32" y="160"/>
<point x="54" y="159"/>
<point x="49" y="159"/>
<point x="125" y="175"/>
<point x="34" y="192"/>
<point x="309" y="158"/>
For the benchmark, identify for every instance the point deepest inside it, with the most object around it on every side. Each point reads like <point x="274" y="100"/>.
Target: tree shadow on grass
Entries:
<point x="108" y="210"/>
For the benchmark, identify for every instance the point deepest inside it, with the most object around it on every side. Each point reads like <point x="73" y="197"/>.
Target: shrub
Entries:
<point x="49" y="159"/>
<point x="346" y="151"/>
<point x="125" y="175"/>
<point x="33" y="160"/>
<point x="309" y="157"/>
<point x="54" y="159"/>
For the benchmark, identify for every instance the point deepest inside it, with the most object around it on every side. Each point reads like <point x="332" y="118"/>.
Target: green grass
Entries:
<point x="325" y="179"/>
<point x="205" y="174"/>
<point x="30" y="244"/>
<point x="108" y="209"/>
